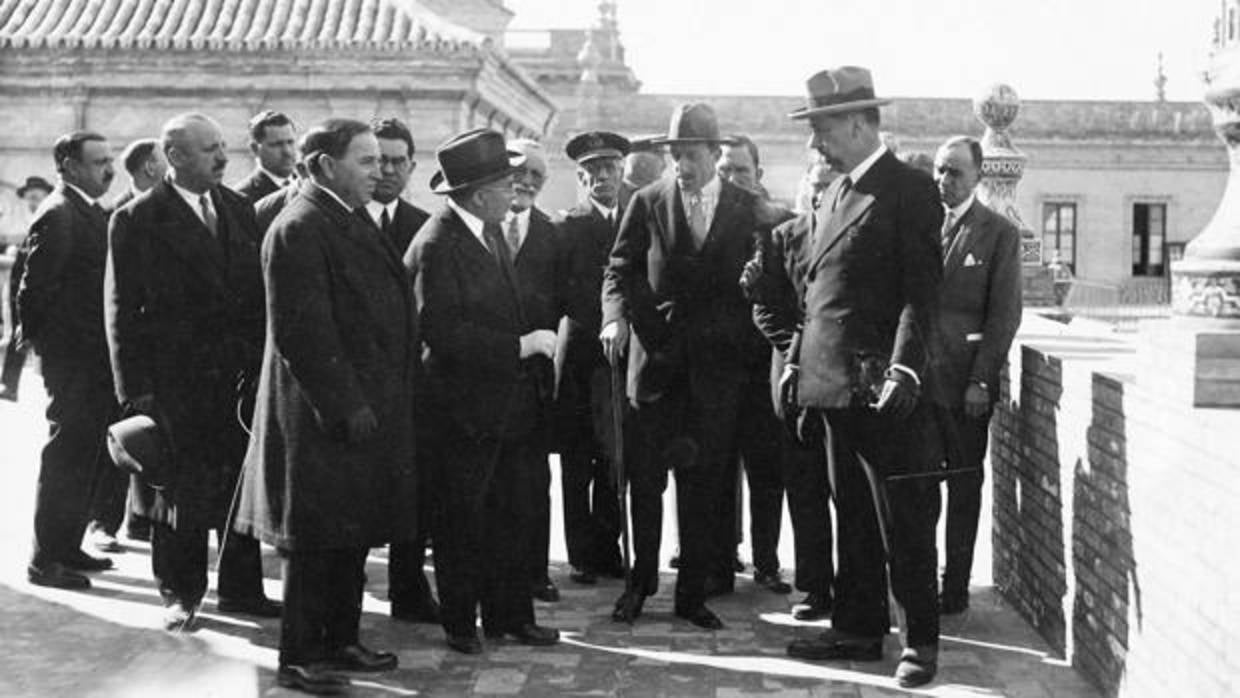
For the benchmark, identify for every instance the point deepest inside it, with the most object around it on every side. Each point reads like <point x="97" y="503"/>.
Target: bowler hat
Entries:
<point x="472" y="158"/>
<point x="34" y="183"/>
<point x="593" y="145"/>
<point x="838" y="90"/>
<point x="693" y="123"/>
<point x="138" y="446"/>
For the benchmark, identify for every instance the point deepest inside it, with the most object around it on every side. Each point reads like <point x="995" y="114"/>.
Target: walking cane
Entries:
<point x="617" y="462"/>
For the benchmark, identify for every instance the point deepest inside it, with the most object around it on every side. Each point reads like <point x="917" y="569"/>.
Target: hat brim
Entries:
<point x="692" y="141"/>
<point x="600" y="155"/>
<point x="21" y="191"/>
<point x="439" y="185"/>
<point x="842" y="107"/>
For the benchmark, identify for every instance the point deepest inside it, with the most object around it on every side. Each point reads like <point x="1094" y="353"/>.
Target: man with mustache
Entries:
<point x="273" y="140"/>
<point x="59" y="303"/>
<point x="184" y="308"/>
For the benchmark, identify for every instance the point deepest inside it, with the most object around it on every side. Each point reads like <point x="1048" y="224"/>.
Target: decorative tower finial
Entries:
<point x="1160" y="81"/>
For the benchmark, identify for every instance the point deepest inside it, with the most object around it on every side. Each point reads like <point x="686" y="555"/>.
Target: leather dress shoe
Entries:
<point x="772" y="581"/>
<point x="359" y="658"/>
<point x="104" y="542"/>
<point x="545" y="591"/>
<point x="528" y="634"/>
<point x="815" y="606"/>
<point x="57" y="576"/>
<point x="425" y="610"/>
<point x="701" y="616"/>
<point x="837" y="645"/>
<point x="952" y="603"/>
<point x="465" y="644"/>
<point x="309" y="680"/>
<point x="179" y="617"/>
<point x="583" y="575"/>
<point x="79" y="560"/>
<point x="917" y="666"/>
<point x="260" y="606"/>
<point x="628" y="607"/>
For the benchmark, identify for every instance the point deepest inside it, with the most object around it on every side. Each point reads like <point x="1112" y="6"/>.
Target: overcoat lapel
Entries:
<point x="187" y="237"/>
<point x="358" y="227"/>
<point x="832" y="227"/>
<point x="961" y="242"/>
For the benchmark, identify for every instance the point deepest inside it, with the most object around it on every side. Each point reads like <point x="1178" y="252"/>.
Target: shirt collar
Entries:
<point x="333" y="195"/>
<point x="90" y="201"/>
<point x="279" y="181"/>
<point x="376" y="209"/>
<point x="864" y="166"/>
<point x="190" y="197"/>
<point x="522" y="217"/>
<point x="474" y="223"/>
<point x="960" y="210"/>
<point x="606" y="212"/>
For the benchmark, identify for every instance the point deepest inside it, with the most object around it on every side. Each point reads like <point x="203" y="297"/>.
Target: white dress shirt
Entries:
<point x="474" y="223"/>
<point x="523" y="225"/>
<point x="375" y="209"/>
<point x="194" y="200"/>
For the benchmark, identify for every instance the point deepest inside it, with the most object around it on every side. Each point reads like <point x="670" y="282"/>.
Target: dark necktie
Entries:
<point x="949" y="230"/>
<point x="208" y="215"/>
<point x="499" y="249"/>
<point x="841" y="192"/>
<point x="385" y="223"/>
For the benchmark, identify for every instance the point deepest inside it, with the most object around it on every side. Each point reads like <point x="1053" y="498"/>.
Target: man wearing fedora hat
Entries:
<point x="591" y="511"/>
<point x="33" y="192"/>
<point x="871" y="280"/>
<point x="672" y="280"/>
<point x="486" y="364"/>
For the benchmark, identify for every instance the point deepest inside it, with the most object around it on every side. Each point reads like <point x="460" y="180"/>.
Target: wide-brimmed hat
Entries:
<point x="138" y="446"/>
<point x="693" y="123"/>
<point x="646" y="143"/>
<point x="34" y="183"/>
<point x="838" y="90"/>
<point x="593" y="145"/>
<point x="472" y="158"/>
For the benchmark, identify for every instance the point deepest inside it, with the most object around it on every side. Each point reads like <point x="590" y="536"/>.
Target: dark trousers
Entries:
<point x="179" y="563"/>
<point x="809" y="507"/>
<point x="14" y="363"/>
<point x="81" y="405"/>
<point x="965" y="439"/>
<point x="322" y="603"/>
<point x="591" y="510"/>
<point x="482" y="531"/>
<point x="540" y="518"/>
<point x="758" y="443"/>
<point x="108" y="500"/>
<point x="878" y="515"/>
<point x="695" y="438"/>
<point x="407" y="583"/>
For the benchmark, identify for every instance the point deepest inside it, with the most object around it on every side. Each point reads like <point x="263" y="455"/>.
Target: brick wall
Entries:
<point x="1115" y="517"/>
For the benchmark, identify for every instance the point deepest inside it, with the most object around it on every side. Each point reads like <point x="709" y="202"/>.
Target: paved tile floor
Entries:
<point x="105" y="643"/>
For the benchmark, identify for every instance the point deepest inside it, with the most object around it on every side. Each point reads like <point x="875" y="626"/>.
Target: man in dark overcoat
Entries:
<point x="588" y="231"/>
<point x="870" y="291"/>
<point x="979" y="313"/>
<point x="672" y="277"/>
<point x="183" y="299"/>
<point x="483" y="362"/>
<point x="329" y="472"/>
<point x="60" y="305"/>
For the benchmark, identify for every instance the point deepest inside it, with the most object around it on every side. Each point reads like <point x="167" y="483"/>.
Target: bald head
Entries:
<point x="529" y="179"/>
<point x="194" y="146"/>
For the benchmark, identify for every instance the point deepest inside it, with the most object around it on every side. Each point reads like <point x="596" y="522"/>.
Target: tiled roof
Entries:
<point x="229" y="24"/>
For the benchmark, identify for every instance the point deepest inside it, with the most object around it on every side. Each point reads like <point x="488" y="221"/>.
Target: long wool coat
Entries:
<point x="341" y="333"/>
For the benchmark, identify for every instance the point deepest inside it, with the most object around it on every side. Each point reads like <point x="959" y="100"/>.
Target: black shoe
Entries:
<point x="87" y="563"/>
<point x="952" y="603"/>
<point x="359" y="658"/>
<point x="465" y="644"/>
<point x="57" y="576"/>
<point x="628" y="607"/>
<point x="308" y="680"/>
<point x="917" y="666"/>
<point x="545" y="591"/>
<point x="836" y="645"/>
<point x="701" y="616"/>
<point x="814" y="607"/>
<point x="772" y="581"/>
<point x="528" y="634"/>
<point x="674" y="563"/>
<point x="583" y="575"/>
<point x="260" y="606"/>
<point x="425" y="610"/>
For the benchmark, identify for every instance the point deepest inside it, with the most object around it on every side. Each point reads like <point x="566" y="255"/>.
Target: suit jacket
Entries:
<point x="408" y="221"/>
<point x="979" y="305"/>
<point x="60" y="299"/>
<point x="184" y="314"/>
<point x="267" y="208"/>
<point x="871" y="285"/>
<point x="778" y="312"/>
<point x="255" y="186"/>
<point x="341" y="334"/>
<point x="472" y="319"/>
<point x="540" y="274"/>
<point x="686" y="308"/>
<point x="587" y="240"/>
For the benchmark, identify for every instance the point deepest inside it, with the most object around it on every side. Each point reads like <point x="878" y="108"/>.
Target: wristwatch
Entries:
<point x="980" y="383"/>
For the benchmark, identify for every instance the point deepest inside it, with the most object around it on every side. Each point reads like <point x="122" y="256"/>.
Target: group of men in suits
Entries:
<point x="406" y="375"/>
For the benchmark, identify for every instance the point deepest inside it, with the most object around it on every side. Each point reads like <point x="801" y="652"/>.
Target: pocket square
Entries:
<point x="971" y="261"/>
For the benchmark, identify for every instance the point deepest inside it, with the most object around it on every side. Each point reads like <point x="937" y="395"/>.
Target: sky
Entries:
<point x="1045" y="49"/>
